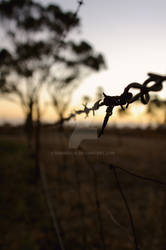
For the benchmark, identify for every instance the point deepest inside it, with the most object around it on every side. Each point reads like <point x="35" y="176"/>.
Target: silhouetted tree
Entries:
<point x="99" y="92"/>
<point x="123" y="113"/>
<point x="155" y="105"/>
<point x="35" y="53"/>
<point x="84" y="61"/>
<point x="86" y="99"/>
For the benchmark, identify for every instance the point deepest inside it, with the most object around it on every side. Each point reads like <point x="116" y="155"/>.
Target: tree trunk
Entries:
<point x="37" y="143"/>
<point x="29" y="125"/>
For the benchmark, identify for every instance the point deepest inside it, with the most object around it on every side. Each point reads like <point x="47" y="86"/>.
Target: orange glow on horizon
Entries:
<point x="12" y="113"/>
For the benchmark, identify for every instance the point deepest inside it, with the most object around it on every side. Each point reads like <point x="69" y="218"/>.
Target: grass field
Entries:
<point x="83" y="192"/>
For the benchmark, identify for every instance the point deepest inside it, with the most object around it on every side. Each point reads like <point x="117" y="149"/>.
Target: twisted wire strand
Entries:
<point x="123" y="100"/>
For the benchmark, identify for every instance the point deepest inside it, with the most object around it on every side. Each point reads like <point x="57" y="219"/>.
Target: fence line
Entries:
<point x="123" y="100"/>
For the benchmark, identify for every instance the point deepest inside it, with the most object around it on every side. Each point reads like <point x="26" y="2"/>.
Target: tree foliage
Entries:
<point x="155" y="105"/>
<point x="36" y="54"/>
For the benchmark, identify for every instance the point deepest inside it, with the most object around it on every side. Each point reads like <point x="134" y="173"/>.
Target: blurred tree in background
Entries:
<point x="36" y="56"/>
<point x="155" y="106"/>
<point x="99" y="92"/>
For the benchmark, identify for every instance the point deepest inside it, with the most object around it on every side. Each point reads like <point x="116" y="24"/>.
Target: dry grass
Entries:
<point x="73" y="181"/>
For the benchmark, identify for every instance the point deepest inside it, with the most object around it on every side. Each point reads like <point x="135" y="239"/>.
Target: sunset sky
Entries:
<point x="132" y="36"/>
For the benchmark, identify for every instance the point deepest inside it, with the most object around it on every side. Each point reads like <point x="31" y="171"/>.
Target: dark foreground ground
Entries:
<point x="83" y="193"/>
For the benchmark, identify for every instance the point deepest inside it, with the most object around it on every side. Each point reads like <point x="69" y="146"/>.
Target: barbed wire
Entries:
<point x="123" y="100"/>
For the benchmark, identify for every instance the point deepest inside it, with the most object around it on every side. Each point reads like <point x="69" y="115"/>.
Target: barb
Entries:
<point x="123" y="100"/>
<point x="126" y="205"/>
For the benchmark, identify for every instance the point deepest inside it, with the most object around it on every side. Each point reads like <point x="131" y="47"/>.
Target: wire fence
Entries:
<point x="123" y="100"/>
<point x="100" y="208"/>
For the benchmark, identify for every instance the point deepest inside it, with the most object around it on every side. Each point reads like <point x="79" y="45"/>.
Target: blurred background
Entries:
<point x="56" y="59"/>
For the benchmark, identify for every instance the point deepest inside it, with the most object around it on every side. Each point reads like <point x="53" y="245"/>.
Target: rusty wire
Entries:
<point x="123" y="100"/>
